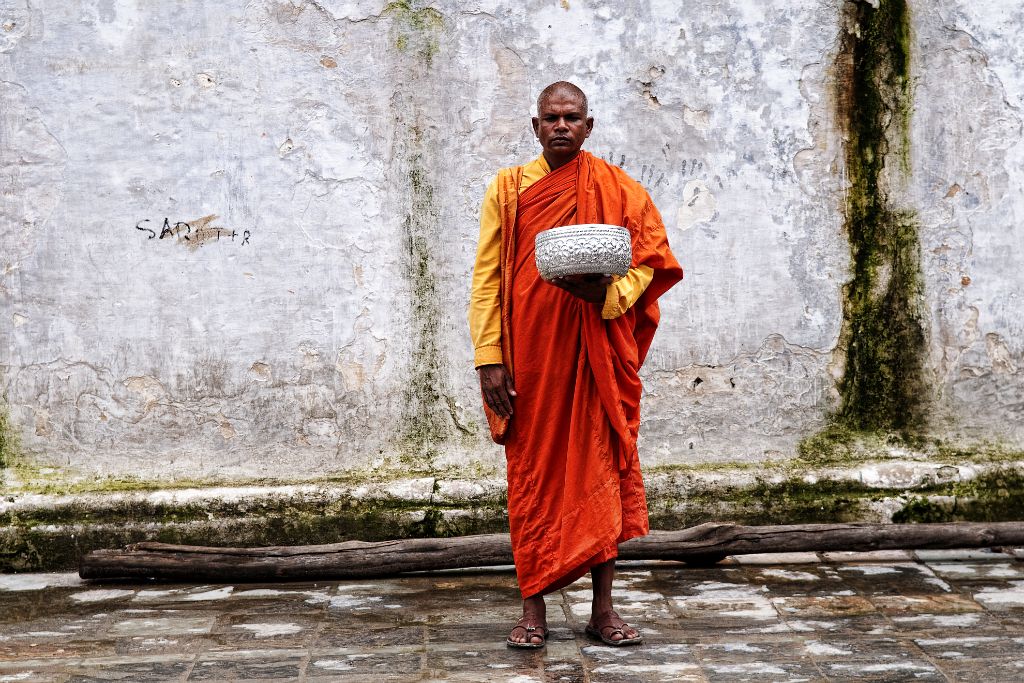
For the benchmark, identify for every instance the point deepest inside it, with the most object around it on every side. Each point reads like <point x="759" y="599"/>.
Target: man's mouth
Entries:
<point x="554" y="140"/>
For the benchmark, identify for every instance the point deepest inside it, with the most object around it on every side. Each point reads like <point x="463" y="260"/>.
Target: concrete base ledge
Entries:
<point x="42" y="531"/>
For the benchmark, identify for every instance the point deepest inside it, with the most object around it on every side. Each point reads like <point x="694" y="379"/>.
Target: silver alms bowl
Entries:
<point x="588" y="249"/>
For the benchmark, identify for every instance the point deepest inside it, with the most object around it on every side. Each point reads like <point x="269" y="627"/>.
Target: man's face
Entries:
<point x="561" y="126"/>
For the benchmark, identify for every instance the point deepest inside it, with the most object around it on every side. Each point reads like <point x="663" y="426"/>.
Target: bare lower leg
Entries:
<point x="535" y="610"/>
<point x="602" y="576"/>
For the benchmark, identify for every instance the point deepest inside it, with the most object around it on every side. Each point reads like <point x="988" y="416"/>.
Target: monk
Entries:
<point x="558" y="364"/>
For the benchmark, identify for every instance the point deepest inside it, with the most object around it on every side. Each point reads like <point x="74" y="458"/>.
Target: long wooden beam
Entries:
<point x="703" y="544"/>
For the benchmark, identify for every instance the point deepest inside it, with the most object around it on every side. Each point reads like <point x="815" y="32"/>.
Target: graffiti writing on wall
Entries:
<point x="194" y="233"/>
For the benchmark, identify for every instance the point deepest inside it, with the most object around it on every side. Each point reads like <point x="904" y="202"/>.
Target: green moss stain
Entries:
<point x="833" y="445"/>
<point x="922" y="510"/>
<point x="790" y="500"/>
<point x="54" y="536"/>
<point x="415" y="31"/>
<point x="882" y="387"/>
<point x="839" y="446"/>
<point x="9" y="441"/>
<point x="996" y="496"/>
<point x="429" y="415"/>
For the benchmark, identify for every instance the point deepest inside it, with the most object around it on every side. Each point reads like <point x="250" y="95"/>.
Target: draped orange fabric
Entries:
<point x="574" y="485"/>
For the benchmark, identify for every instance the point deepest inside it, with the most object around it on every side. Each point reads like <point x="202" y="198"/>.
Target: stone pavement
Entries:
<point x="926" y="616"/>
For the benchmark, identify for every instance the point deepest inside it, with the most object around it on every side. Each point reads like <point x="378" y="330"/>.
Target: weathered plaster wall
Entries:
<point x="968" y="186"/>
<point x="237" y="238"/>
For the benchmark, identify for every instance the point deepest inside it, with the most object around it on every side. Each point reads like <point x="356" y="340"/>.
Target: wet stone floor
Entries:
<point x="894" y="616"/>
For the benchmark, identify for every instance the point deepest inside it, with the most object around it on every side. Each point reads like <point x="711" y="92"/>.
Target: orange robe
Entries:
<point x="574" y="485"/>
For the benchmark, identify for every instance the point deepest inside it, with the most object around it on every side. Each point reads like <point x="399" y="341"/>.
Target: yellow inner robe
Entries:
<point x="485" y="300"/>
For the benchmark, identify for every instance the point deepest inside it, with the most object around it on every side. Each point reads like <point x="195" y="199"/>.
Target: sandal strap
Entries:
<point x="532" y="627"/>
<point x="613" y="621"/>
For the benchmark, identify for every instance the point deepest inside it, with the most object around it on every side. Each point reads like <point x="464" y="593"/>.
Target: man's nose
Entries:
<point x="561" y="124"/>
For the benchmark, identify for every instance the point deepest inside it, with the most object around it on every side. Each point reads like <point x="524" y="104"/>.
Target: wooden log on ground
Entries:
<point x="701" y="544"/>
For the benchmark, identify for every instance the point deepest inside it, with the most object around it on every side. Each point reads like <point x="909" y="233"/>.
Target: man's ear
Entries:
<point x="590" y="125"/>
<point x="536" y="126"/>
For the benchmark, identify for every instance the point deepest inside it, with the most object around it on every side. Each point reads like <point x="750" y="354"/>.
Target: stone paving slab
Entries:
<point x="924" y="616"/>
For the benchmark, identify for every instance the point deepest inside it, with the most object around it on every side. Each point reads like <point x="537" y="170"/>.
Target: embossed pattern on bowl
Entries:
<point x="583" y="250"/>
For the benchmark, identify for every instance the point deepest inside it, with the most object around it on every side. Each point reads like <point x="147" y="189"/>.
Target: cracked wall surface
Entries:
<point x="237" y="239"/>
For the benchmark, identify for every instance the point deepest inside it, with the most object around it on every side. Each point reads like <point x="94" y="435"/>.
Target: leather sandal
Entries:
<point x="613" y="624"/>
<point x="532" y="630"/>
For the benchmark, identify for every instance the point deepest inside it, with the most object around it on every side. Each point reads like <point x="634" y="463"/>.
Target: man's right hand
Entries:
<point x="496" y="386"/>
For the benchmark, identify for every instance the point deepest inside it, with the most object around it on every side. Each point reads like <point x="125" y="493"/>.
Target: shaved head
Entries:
<point x="562" y="124"/>
<point x="563" y="88"/>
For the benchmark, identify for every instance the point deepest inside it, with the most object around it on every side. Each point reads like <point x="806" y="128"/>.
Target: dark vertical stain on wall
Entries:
<point x="429" y="417"/>
<point x="426" y="420"/>
<point x="9" y="441"/>
<point x="883" y="323"/>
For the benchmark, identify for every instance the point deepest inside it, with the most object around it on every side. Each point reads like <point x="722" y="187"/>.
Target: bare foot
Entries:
<point x="534" y="617"/>
<point x="609" y="625"/>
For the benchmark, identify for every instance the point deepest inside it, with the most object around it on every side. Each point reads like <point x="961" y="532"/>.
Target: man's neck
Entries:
<point x="558" y="162"/>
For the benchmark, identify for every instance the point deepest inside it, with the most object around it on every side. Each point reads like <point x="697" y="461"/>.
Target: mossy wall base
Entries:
<point x="51" y="531"/>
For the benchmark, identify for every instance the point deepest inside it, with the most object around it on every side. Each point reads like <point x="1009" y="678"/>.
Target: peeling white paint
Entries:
<point x="819" y="649"/>
<point x="696" y="206"/>
<point x="664" y="672"/>
<point x="747" y="669"/>
<point x="737" y="647"/>
<point x="269" y="630"/>
<point x="994" y="597"/>
<point x="788" y="575"/>
<point x="987" y="570"/>
<point x="155" y="594"/>
<point x="809" y="625"/>
<point x="938" y="583"/>
<point x="333" y="665"/>
<point x="215" y="594"/>
<point x="34" y="582"/>
<point x="871" y="569"/>
<point x="605" y="651"/>
<point x="739" y="601"/>
<point x="174" y="625"/>
<point x="962" y="641"/>
<point x="100" y="595"/>
<point x="354" y="601"/>
<point x="158" y="642"/>
<point x="945" y="620"/>
<point x="888" y="667"/>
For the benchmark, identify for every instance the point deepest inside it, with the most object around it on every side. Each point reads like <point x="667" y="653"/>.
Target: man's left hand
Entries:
<point x="590" y="288"/>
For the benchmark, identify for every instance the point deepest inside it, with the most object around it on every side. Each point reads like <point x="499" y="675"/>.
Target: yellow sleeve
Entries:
<point x="624" y="292"/>
<point x="485" y="298"/>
